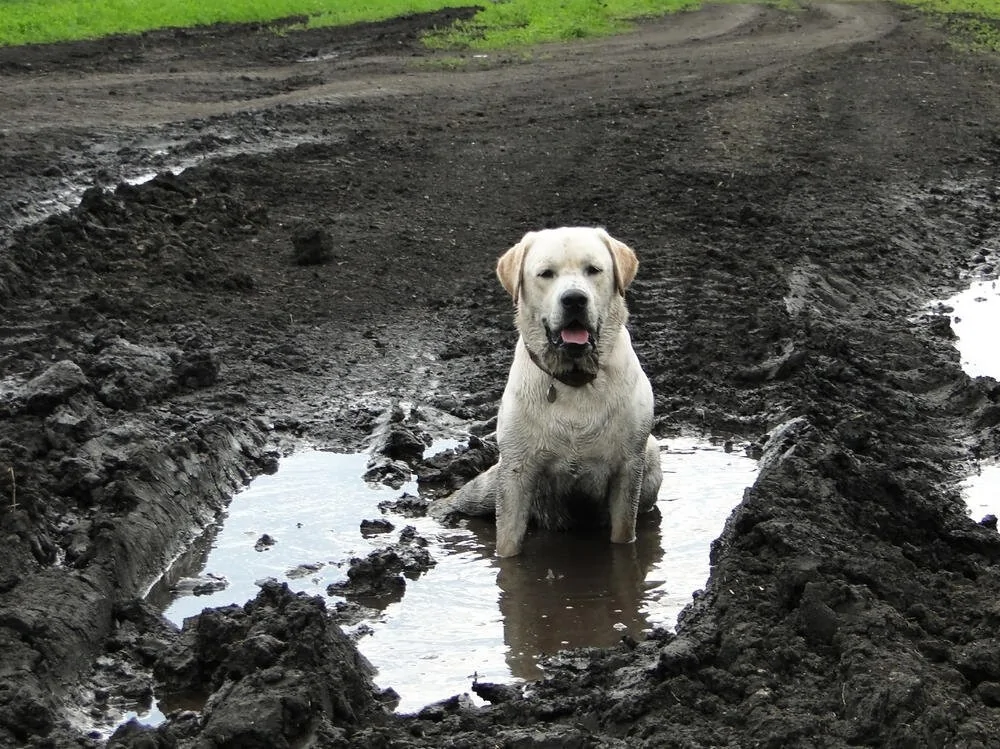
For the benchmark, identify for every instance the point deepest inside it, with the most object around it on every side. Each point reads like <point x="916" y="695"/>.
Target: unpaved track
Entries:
<point x="133" y="108"/>
<point x="796" y="185"/>
<point x="673" y="50"/>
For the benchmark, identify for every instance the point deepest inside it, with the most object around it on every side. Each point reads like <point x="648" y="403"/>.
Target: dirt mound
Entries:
<point x="280" y="658"/>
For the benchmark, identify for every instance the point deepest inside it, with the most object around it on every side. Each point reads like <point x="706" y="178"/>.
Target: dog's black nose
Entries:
<point x="573" y="299"/>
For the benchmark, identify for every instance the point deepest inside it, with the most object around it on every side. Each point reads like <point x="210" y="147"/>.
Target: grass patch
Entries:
<point x="977" y="35"/>
<point x="453" y="63"/>
<point x="518" y="23"/>
<point x="36" y="21"/>
<point x="971" y="24"/>
<point x="500" y="24"/>
<point x="986" y="8"/>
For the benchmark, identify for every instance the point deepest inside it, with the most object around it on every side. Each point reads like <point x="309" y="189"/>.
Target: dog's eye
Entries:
<point x="591" y="270"/>
<point x="547" y="273"/>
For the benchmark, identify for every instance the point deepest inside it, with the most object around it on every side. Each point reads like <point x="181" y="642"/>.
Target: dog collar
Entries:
<point x="574" y="378"/>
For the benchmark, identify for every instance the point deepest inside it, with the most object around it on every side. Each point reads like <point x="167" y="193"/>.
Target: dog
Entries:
<point x="575" y="418"/>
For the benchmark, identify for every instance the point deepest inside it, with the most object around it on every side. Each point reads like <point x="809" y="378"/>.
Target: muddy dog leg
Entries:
<point x="514" y="498"/>
<point x="497" y="491"/>
<point x="477" y="498"/>
<point x="652" y="476"/>
<point x="623" y="499"/>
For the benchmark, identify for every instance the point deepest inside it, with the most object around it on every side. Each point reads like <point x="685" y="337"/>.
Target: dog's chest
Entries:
<point x="576" y="427"/>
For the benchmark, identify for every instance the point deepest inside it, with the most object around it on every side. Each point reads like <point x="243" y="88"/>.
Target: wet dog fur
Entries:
<point x="575" y="417"/>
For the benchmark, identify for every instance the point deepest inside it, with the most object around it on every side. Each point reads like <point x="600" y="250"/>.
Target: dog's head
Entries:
<point x="569" y="287"/>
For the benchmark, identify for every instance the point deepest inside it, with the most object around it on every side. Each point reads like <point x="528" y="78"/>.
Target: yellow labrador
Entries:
<point x="575" y="418"/>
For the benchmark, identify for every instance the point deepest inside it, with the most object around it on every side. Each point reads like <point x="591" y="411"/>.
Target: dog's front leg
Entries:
<point x="624" y="501"/>
<point x="513" y="509"/>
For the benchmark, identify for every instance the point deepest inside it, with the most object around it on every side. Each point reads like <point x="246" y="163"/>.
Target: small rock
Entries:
<point x="264" y="542"/>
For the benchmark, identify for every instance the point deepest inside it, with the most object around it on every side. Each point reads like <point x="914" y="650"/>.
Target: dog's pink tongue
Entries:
<point x="575" y="335"/>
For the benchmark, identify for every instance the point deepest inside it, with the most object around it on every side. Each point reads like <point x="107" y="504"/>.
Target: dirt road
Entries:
<point x="797" y="186"/>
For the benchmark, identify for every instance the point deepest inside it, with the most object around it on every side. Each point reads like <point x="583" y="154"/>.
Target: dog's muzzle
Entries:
<point x="574" y="335"/>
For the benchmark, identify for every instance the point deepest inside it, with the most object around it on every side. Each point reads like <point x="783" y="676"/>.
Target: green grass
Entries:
<point x="971" y="24"/>
<point x="975" y="34"/>
<point x="500" y="24"/>
<point x="33" y="21"/>
<point x="518" y="23"/>
<point x="987" y="8"/>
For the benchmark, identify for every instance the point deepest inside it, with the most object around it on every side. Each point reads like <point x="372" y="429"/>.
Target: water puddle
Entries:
<point x="471" y="615"/>
<point x="975" y="314"/>
<point x="974" y="318"/>
<point x="982" y="492"/>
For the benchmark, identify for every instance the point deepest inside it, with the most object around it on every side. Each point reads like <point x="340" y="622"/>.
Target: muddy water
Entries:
<point x="471" y="615"/>
<point x="975" y="315"/>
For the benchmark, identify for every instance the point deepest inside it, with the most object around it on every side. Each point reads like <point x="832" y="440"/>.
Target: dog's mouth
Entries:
<point x="575" y="338"/>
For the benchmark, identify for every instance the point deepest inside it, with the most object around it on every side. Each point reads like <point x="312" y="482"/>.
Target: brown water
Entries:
<point x="472" y="615"/>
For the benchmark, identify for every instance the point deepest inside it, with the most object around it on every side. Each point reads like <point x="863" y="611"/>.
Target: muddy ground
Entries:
<point x="797" y="185"/>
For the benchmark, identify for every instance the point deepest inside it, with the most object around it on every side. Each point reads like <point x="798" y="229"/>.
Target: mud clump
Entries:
<point x="453" y="468"/>
<point x="398" y="447"/>
<point x="53" y="387"/>
<point x="95" y="502"/>
<point x="312" y="245"/>
<point x="274" y="672"/>
<point x="265" y="542"/>
<point x="407" y="505"/>
<point x="381" y="576"/>
<point x="376" y="527"/>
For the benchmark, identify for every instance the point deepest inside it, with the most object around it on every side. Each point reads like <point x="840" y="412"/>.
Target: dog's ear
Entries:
<point x="511" y="265"/>
<point x="624" y="260"/>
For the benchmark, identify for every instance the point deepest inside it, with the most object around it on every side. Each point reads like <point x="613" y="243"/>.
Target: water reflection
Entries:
<point x="186" y="567"/>
<point x="568" y="590"/>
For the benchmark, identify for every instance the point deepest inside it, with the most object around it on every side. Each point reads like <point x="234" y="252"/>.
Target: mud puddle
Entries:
<point x="470" y="616"/>
<point x="975" y="314"/>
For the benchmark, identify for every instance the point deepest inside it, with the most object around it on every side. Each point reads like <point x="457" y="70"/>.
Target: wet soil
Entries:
<point x="797" y="185"/>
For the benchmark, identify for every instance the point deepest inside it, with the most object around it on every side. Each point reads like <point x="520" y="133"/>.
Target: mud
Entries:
<point x="797" y="185"/>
